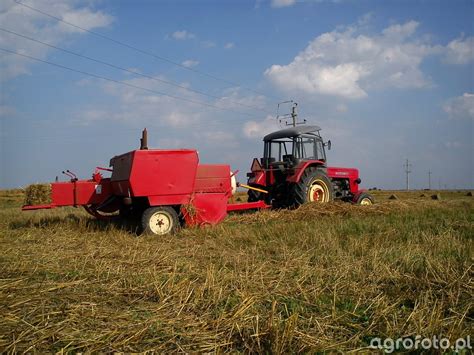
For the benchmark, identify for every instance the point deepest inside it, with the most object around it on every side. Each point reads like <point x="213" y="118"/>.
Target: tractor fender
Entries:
<point x="299" y="170"/>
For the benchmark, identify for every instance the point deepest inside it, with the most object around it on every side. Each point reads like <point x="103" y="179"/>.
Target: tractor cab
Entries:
<point x="289" y="147"/>
<point x="289" y="155"/>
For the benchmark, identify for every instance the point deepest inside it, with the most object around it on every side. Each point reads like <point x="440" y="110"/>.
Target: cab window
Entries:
<point x="304" y="148"/>
<point x="276" y="150"/>
<point x="320" y="153"/>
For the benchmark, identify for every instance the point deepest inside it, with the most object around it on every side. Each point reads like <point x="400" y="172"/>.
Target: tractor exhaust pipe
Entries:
<point x="144" y="140"/>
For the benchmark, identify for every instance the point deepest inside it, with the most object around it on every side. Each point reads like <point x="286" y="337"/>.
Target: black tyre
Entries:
<point x="314" y="186"/>
<point x="159" y="221"/>
<point x="365" y="199"/>
<point x="253" y="196"/>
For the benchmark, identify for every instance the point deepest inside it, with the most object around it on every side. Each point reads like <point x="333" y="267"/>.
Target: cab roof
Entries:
<point x="291" y="132"/>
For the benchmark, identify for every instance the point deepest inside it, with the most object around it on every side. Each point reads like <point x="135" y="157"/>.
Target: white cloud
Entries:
<point x="219" y="138"/>
<point x="460" y="51"/>
<point x="138" y="107"/>
<point x="282" y="3"/>
<point x="229" y="45"/>
<point x="172" y="143"/>
<point x="182" y="35"/>
<point x="401" y="31"/>
<point x="349" y="64"/>
<point x="19" y="19"/>
<point x="190" y="63"/>
<point x="341" y="108"/>
<point x="7" y="111"/>
<point x="215" y="133"/>
<point x="258" y="129"/>
<point x="453" y="144"/>
<point x="85" y="18"/>
<point x="234" y="99"/>
<point x="208" y="44"/>
<point x="287" y="3"/>
<point x="460" y="107"/>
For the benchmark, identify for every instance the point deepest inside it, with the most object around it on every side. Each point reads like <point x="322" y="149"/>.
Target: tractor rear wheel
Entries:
<point x="365" y="199"/>
<point x="159" y="220"/>
<point x="314" y="186"/>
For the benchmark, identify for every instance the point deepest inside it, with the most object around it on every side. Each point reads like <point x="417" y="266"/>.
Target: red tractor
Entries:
<point x="294" y="171"/>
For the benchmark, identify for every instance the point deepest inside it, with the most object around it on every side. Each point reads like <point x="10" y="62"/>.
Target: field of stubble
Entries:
<point x="323" y="277"/>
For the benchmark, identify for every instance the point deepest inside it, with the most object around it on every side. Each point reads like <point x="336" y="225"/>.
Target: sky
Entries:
<point x="385" y="80"/>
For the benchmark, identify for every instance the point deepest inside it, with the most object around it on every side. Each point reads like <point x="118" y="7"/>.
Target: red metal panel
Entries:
<point x="163" y="172"/>
<point x="169" y="200"/>
<point x="247" y="206"/>
<point x="80" y="192"/>
<point x="302" y="167"/>
<point x="208" y="208"/>
<point x="37" y="207"/>
<point x="351" y="174"/>
<point x="213" y="178"/>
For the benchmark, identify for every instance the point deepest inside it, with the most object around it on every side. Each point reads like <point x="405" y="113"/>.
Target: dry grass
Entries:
<point x="315" y="279"/>
<point x="38" y="194"/>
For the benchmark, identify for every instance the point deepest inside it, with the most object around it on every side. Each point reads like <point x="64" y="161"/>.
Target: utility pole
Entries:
<point x="429" y="179"/>
<point x="407" y="166"/>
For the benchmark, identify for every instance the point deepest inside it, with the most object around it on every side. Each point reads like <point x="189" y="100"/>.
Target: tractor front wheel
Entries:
<point x="365" y="199"/>
<point x="159" y="220"/>
<point x="314" y="186"/>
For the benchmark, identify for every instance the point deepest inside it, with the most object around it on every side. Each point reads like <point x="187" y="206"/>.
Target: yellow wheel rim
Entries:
<point x="366" y="201"/>
<point x="161" y="223"/>
<point x="318" y="191"/>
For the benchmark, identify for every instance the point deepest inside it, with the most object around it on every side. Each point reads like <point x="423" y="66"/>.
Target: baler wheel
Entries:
<point x="159" y="220"/>
<point x="314" y="186"/>
<point x="365" y="199"/>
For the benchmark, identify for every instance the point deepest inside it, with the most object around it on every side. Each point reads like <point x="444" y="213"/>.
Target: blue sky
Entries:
<point x="386" y="80"/>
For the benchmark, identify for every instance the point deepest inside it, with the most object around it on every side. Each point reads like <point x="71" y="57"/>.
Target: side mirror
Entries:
<point x="328" y="144"/>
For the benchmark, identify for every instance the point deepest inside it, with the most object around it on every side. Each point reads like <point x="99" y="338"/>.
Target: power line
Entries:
<point x="158" y="57"/>
<point x="93" y="135"/>
<point x="130" y="71"/>
<point x="125" y="83"/>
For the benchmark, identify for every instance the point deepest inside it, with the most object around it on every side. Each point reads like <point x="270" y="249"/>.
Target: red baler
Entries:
<point x="164" y="188"/>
